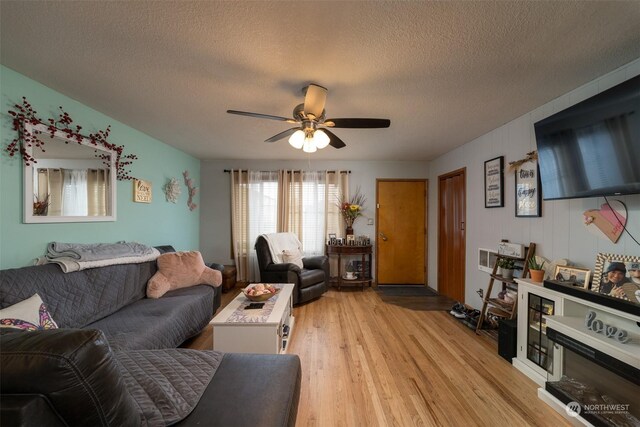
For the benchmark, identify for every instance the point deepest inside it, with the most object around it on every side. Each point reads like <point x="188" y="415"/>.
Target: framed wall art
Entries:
<point x="572" y="275"/>
<point x="528" y="190"/>
<point x="494" y="183"/>
<point x="617" y="276"/>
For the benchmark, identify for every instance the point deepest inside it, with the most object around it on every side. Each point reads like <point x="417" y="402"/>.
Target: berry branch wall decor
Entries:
<point x="24" y="113"/>
<point x="192" y="190"/>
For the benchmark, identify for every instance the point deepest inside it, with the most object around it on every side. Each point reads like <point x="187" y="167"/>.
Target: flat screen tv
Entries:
<point x="592" y="148"/>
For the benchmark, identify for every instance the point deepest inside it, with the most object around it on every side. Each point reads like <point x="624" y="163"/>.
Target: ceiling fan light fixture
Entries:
<point x="321" y="139"/>
<point x="297" y="140"/>
<point x="309" y="145"/>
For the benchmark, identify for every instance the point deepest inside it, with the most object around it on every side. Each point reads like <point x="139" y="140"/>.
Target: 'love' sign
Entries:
<point x="609" y="331"/>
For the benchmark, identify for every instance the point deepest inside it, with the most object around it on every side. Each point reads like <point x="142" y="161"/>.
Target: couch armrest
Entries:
<point x="72" y="369"/>
<point x="216" y="266"/>
<point x="315" y="262"/>
<point x="274" y="378"/>
<point x="28" y="410"/>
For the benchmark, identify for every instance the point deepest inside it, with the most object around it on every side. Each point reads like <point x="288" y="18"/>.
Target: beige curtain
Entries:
<point x="240" y="222"/>
<point x="55" y="178"/>
<point x="97" y="182"/>
<point x="290" y="202"/>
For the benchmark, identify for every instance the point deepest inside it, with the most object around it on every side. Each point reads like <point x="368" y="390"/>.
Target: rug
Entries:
<point x="406" y="291"/>
<point x="418" y="298"/>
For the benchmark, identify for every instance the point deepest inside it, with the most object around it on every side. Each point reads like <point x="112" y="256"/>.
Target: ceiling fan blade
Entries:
<point x="314" y="100"/>
<point x="281" y="135"/>
<point x="334" y="141"/>
<point x="358" y="123"/>
<point x="261" y="116"/>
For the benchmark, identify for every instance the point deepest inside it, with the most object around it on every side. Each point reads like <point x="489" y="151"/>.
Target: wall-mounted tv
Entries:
<point x="592" y="148"/>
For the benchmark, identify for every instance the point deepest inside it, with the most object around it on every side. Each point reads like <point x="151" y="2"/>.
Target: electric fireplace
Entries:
<point x="606" y="389"/>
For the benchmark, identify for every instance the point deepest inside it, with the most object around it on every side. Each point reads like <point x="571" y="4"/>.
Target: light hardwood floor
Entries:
<point x="367" y="363"/>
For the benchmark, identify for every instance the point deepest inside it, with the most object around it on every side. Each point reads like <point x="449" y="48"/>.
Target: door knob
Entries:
<point x="382" y="236"/>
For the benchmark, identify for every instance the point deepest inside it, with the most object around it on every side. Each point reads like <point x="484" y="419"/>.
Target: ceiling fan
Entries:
<point x="311" y="133"/>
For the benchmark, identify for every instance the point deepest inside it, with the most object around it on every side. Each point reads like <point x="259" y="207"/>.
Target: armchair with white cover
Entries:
<point x="280" y="261"/>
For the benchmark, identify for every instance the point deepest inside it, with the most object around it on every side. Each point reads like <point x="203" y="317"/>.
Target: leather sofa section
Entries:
<point x="28" y="410"/>
<point x="74" y="370"/>
<point x="240" y="383"/>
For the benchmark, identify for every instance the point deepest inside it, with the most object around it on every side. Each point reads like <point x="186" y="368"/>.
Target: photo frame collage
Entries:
<point x="350" y="240"/>
<point x="614" y="275"/>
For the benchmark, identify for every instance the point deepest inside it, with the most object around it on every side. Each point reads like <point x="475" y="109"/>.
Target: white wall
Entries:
<point x="560" y="232"/>
<point x="215" y="213"/>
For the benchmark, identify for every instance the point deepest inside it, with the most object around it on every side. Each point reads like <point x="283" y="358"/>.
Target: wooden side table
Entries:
<point x="364" y="277"/>
<point x="228" y="278"/>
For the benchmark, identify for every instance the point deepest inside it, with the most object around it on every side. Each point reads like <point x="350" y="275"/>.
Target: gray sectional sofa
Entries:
<point x="114" y="359"/>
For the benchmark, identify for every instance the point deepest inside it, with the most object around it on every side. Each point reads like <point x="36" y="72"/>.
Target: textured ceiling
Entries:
<point x="443" y="72"/>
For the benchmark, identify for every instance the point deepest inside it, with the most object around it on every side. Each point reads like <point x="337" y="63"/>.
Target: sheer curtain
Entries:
<point x="263" y="213"/>
<point x="74" y="192"/>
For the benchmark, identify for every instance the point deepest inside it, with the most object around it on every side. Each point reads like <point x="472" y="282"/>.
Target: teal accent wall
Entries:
<point x="157" y="223"/>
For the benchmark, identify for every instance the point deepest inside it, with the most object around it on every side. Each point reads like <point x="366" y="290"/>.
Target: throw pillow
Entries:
<point x="29" y="315"/>
<point x="292" y="256"/>
<point x="181" y="270"/>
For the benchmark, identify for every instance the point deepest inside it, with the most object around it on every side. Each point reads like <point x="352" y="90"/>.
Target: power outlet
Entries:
<point x="370" y="221"/>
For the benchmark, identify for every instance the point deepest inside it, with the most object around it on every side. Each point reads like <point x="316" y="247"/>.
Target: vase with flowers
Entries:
<point x="41" y="206"/>
<point x="351" y="209"/>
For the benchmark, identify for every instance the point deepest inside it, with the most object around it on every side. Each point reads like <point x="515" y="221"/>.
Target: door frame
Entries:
<point x="462" y="171"/>
<point x="426" y="223"/>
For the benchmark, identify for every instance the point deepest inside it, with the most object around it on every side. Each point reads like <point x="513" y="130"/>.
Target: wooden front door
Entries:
<point x="451" y="234"/>
<point x="401" y="231"/>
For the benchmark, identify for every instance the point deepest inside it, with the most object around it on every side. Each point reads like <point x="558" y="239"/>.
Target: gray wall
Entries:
<point x="215" y="216"/>
<point x="560" y="232"/>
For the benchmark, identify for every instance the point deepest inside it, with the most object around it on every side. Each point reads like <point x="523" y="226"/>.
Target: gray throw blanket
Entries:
<point x="96" y="251"/>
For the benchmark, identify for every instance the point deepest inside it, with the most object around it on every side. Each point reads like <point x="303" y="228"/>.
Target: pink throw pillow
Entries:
<point x="181" y="270"/>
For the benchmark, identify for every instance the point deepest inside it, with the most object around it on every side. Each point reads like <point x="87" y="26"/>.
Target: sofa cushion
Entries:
<point x="160" y="323"/>
<point x="79" y="298"/>
<point x="72" y="369"/>
<point x="167" y="384"/>
<point x="179" y="270"/>
<point x="250" y="390"/>
<point x="310" y="277"/>
<point x="30" y="314"/>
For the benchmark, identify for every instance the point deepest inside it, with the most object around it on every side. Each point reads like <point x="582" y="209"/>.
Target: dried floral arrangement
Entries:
<point x="172" y="190"/>
<point x="24" y="113"/>
<point x="192" y="190"/>
<point x="513" y="166"/>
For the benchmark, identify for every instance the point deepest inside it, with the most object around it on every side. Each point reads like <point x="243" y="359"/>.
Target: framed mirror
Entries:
<point x="71" y="181"/>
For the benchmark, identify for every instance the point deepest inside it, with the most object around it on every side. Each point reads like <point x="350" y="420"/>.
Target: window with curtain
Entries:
<point x="72" y="192"/>
<point x="295" y="201"/>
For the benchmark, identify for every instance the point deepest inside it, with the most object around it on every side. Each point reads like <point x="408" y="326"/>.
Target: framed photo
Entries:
<point x="573" y="275"/>
<point x="351" y="239"/>
<point x="332" y="239"/>
<point x="617" y="276"/>
<point x="494" y="183"/>
<point x="528" y="190"/>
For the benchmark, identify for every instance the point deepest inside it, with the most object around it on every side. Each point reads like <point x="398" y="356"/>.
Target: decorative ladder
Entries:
<point x="496" y="306"/>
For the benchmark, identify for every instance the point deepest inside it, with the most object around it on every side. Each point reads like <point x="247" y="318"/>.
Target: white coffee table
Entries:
<point x="266" y="330"/>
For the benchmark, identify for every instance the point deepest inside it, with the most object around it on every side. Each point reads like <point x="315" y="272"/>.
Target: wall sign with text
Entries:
<point x="528" y="190"/>
<point x="141" y="191"/>
<point x="494" y="183"/>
